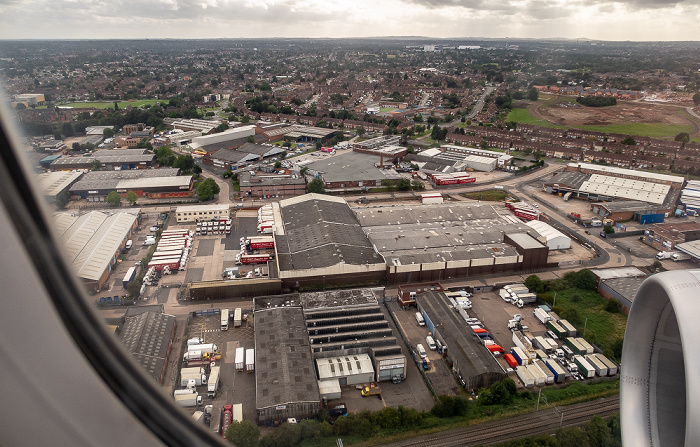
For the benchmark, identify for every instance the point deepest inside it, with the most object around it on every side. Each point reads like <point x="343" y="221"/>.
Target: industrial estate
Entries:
<point x="279" y="248"/>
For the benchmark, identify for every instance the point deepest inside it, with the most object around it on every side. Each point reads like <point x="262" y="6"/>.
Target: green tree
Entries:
<point x="108" y="133"/>
<point x="278" y="164"/>
<point x="629" y="141"/>
<point x="96" y="165"/>
<point x="67" y="129"/>
<point x="131" y="197"/>
<point x="696" y="98"/>
<point x="533" y="94"/>
<point x="360" y="131"/>
<point x="534" y="283"/>
<point x="165" y="156"/>
<point x="683" y="137"/>
<point x="404" y="184"/>
<point x="184" y="162"/>
<point x="62" y="199"/>
<point x="221" y="127"/>
<point x="20" y="106"/>
<point x="250" y="139"/>
<point x="598" y="433"/>
<point x="207" y="189"/>
<point x="609" y="229"/>
<point x="613" y="306"/>
<point x="114" y="199"/>
<point x="417" y="185"/>
<point x="243" y="434"/>
<point x="134" y="288"/>
<point x="572" y="437"/>
<point x="197" y="169"/>
<point x="584" y="280"/>
<point x="316" y="186"/>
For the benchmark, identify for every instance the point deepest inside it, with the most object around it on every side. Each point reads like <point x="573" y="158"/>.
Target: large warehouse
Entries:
<point x="441" y="241"/>
<point x="285" y="382"/>
<point x="352" y="170"/>
<point x="111" y="160"/>
<point x="320" y="241"/>
<point x="93" y="242"/>
<point x="349" y="322"/>
<point x="150" y="183"/>
<point x="550" y="236"/>
<point x="55" y="182"/>
<point x="471" y="361"/>
<point x="148" y="337"/>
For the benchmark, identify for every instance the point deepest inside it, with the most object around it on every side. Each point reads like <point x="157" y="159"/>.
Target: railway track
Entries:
<point x="545" y="421"/>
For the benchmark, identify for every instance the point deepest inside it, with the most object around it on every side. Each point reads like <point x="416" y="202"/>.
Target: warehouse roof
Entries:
<point x="54" y="182"/>
<point x="112" y="159"/>
<point x="314" y="132"/>
<point x="572" y="179"/>
<point x="618" y="272"/>
<point x="609" y="190"/>
<point x="119" y="152"/>
<point x="628" y="172"/>
<point x="337" y="298"/>
<point x="472" y="361"/>
<point x="197" y="208"/>
<point x="91" y="240"/>
<point x="347" y="365"/>
<point x="621" y="206"/>
<point x="131" y="173"/>
<point x="320" y="231"/>
<point x="525" y="241"/>
<point x="234" y="156"/>
<point x="147" y="337"/>
<point x="691" y="248"/>
<point x="349" y="167"/>
<point x="626" y="287"/>
<point x="545" y="229"/>
<point x="284" y="372"/>
<point x="133" y="182"/>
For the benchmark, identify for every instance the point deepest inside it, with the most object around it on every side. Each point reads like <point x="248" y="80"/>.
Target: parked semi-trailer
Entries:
<point x="200" y="351"/>
<point x="543" y="344"/>
<point x="192" y="373"/>
<point x="558" y="371"/>
<point x="252" y="259"/>
<point x="237" y="317"/>
<point x="213" y="382"/>
<point x="542" y="315"/>
<point x="584" y="367"/>
<point x="525" y="376"/>
<point x="548" y="374"/>
<point x="520" y="356"/>
<point x="188" y="400"/>
<point x="250" y="360"/>
<point x="587" y="346"/>
<point x="521" y="341"/>
<point x="557" y="329"/>
<point x="237" y="412"/>
<point x="600" y="369"/>
<point x="240" y="359"/>
<point x="612" y="366"/>
<point x="540" y="378"/>
<point x="226" y="418"/>
<point x="568" y="327"/>
<point x="260" y="242"/>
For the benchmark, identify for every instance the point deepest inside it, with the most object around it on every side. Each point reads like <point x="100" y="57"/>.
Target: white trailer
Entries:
<point x="587" y="346"/>
<point x="542" y="315"/>
<point x="237" y="317"/>
<point x="213" y="382"/>
<point x="203" y="349"/>
<point x="188" y="400"/>
<point x="521" y="341"/>
<point x="540" y="378"/>
<point x="543" y="344"/>
<point x="585" y="368"/>
<point x="525" y="376"/>
<point x="195" y="373"/>
<point x="549" y="374"/>
<point x="612" y="366"/>
<point x="240" y="359"/>
<point x="250" y="360"/>
<point x="224" y="319"/>
<point x="558" y="371"/>
<point x="237" y="412"/>
<point x="601" y="369"/>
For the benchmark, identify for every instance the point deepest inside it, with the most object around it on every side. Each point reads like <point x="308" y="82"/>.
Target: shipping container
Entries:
<point x="600" y="369"/>
<point x="584" y="367"/>
<point x="525" y="376"/>
<point x="556" y="369"/>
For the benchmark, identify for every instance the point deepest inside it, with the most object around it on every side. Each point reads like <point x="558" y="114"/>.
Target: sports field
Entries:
<point x="104" y="105"/>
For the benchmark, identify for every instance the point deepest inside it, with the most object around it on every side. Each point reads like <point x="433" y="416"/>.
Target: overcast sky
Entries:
<point x="593" y="19"/>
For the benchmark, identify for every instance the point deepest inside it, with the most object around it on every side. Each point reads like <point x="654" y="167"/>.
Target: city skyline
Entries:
<point x="633" y="20"/>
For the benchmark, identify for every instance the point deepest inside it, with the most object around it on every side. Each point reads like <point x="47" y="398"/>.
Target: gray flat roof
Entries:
<point x="54" y="182"/>
<point x="525" y="240"/>
<point x="622" y="206"/>
<point x="474" y="362"/>
<point x="67" y="161"/>
<point x="118" y="152"/>
<point x="319" y="233"/>
<point x="284" y="371"/>
<point x="337" y="298"/>
<point x="572" y="179"/>
<point x="348" y="167"/>
<point x="618" y="272"/>
<point x="627" y="287"/>
<point x="146" y="337"/>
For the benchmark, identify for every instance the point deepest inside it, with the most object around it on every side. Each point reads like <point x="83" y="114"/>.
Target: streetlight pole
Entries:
<point x="584" y="326"/>
<point x="555" y="300"/>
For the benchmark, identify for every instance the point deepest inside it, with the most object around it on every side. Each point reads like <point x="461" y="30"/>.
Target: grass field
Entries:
<point x="104" y="105"/>
<point x="525" y="117"/>
<point x="602" y="328"/>
<point x="491" y="195"/>
<point x="642" y="129"/>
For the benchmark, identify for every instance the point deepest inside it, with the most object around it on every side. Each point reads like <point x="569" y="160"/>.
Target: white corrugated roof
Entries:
<point x="56" y="181"/>
<point x="621" y="192"/>
<point x="347" y="365"/>
<point x="629" y="172"/>
<point x="92" y="240"/>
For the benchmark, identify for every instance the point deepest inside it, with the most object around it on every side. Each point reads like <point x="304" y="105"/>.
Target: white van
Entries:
<point x="419" y="319"/>
<point x="421" y="350"/>
<point x="129" y="243"/>
<point x="431" y="343"/>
